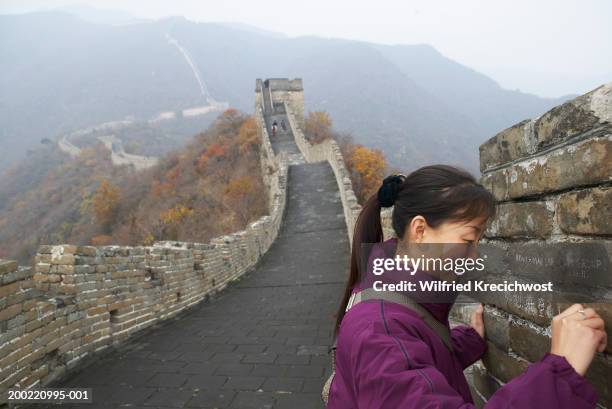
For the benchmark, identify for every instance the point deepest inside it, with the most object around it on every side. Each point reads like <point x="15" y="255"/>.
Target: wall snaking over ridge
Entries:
<point x="329" y="150"/>
<point x="79" y="300"/>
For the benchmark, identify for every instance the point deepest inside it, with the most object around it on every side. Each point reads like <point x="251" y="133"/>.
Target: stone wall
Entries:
<point x="79" y="300"/>
<point x="329" y="151"/>
<point x="278" y="91"/>
<point x="552" y="178"/>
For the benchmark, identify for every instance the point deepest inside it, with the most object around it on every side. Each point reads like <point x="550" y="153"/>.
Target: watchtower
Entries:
<point x="271" y="93"/>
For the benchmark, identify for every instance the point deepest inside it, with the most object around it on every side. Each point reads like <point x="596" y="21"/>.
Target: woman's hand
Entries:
<point x="577" y="333"/>
<point x="477" y="322"/>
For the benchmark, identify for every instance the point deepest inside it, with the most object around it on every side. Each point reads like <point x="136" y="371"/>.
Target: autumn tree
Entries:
<point x="248" y="140"/>
<point x="173" y="218"/>
<point x="367" y="168"/>
<point x="101" y="240"/>
<point x="176" y="214"/>
<point x="240" y="195"/>
<point x="104" y="203"/>
<point x="318" y="127"/>
<point x="229" y="121"/>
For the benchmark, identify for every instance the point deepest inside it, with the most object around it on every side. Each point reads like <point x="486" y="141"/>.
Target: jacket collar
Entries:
<point x="440" y="310"/>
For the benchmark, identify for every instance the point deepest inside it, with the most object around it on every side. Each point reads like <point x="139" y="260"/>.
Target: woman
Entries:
<point x="389" y="356"/>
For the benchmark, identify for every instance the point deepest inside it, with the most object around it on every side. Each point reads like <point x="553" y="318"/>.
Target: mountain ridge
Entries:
<point x="409" y="100"/>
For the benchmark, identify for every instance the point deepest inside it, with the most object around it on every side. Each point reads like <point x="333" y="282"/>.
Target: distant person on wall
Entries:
<point x="274" y="127"/>
<point x="395" y="352"/>
<point x="283" y="125"/>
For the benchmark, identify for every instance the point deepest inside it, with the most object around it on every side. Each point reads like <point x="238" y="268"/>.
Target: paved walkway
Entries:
<point x="262" y="342"/>
<point x="283" y="140"/>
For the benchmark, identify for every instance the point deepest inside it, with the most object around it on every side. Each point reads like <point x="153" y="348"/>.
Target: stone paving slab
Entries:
<point x="262" y="342"/>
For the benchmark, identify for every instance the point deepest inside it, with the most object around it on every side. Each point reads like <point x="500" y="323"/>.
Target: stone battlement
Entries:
<point x="552" y="178"/>
<point x="79" y="300"/>
<point x="279" y="84"/>
<point x="329" y="151"/>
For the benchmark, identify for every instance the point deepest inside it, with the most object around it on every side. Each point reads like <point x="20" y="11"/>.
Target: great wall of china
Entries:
<point x="118" y="155"/>
<point x="77" y="317"/>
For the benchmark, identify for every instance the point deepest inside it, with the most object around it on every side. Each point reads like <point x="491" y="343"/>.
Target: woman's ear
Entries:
<point x="416" y="229"/>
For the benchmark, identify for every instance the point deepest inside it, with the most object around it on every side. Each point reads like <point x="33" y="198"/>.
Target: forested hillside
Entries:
<point x="210" y="187"/>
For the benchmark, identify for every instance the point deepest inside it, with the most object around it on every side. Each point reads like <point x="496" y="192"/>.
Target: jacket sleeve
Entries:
<point x="468" y="345"/>
<point x="395" y="372"/>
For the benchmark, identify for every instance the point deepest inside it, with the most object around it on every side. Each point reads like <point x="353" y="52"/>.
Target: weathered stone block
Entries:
<point x="527" y="340"/>
<point x="502" y="365"/>
<point x="10" y="312"/>
<point x="497" y="326"/>
<point x="63" y="259"/>
<point x="587" y="114"/>
<point x="583" y="265"/>
<point x="86" y="250"/>
<point x="572" y="118"/>
<point x="7" y="266"/>
<point x="508" y="145"/>
<point x="525" y="219"/>
<point x="483" y="383"/>
<point x="587" y="211"/>
<point x="8" y="289"/>
<point x="585" y="163"/>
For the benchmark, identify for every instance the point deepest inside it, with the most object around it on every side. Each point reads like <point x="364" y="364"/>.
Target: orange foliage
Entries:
<point x="368" y="168"/>
<point x="139" y="207"/>
<point x="239" y="195"/>
<point x="216" y="150"/>
<point x="101" y="240"/>
<point x="104" y="202"/>
<point x="161" y="188"/>
<point x="229" y="115"/>
<point x="238" y="188"/>
<point x="247" y="135"/>
<point x="318" y="126"/>
<point x="201" y="162"/>
<point x="176" y="214"/>
<point x="228" y="121"/>
<point x="173" y="173"/>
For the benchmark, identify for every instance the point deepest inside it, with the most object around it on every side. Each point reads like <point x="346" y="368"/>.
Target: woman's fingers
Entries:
<point x="585" y="314"/>
<point x="477" y="314"/>
<point x="477" y="321"/>
<point x="569" y="311"/>
<point x="595" y="323"/>
<point x="603" y="343"/>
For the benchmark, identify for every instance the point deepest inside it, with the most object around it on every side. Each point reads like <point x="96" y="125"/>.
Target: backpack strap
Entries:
<point x="399" y="298"/>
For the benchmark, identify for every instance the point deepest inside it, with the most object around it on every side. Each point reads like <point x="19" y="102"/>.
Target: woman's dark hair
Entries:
<point x="439" y="193"/>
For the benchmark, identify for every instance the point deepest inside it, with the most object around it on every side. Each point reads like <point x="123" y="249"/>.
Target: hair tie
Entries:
<point x="389" y="190"/>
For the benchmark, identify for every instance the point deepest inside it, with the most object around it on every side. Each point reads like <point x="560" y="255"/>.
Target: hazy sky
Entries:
<point x="546" y="47"/>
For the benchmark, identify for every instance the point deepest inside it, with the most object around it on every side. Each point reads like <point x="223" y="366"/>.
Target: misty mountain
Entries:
<point x="99" y="16"/>
<point x="61" y="73"/>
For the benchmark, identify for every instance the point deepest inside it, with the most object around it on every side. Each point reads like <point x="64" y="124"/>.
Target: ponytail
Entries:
<point x="368" y="229"/>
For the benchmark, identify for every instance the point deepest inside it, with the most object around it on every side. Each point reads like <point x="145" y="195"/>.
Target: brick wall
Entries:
<point x="78" y="300"/>
<point x="552" y="178"/>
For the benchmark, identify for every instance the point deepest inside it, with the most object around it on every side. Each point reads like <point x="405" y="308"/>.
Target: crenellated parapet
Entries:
<point x="329" y="151"/>
<point x="79" y="300"/>
<point x="552" y="179"/>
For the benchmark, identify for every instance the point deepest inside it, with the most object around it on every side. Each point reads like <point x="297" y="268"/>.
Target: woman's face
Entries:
<point x="466" y="232"/>
<point x="453" y="239"/>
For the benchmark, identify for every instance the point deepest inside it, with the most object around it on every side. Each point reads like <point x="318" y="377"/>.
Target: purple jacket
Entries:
<point x="387" y="358"/>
